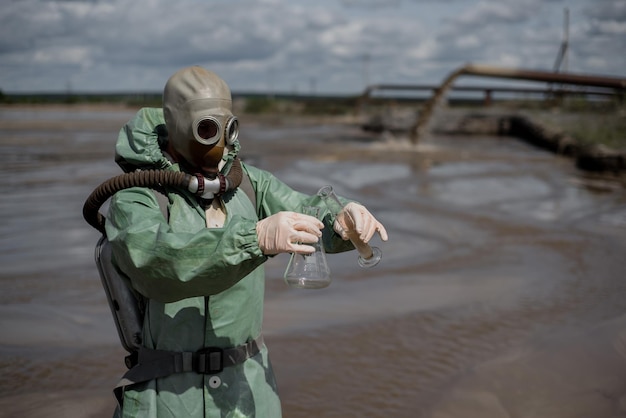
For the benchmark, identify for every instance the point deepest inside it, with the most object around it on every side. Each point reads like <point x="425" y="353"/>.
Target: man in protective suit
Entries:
<point x="199" y="264"/>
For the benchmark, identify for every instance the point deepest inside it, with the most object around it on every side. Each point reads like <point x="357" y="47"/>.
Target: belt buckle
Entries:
<point x="210" y="360"/>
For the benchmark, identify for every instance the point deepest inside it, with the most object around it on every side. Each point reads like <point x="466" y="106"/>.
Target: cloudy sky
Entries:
<point x="295" y="46"/>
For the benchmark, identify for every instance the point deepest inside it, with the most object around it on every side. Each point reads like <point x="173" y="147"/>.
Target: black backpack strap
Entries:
<point x="246" y="186"/>
<point x="163" y="201"/>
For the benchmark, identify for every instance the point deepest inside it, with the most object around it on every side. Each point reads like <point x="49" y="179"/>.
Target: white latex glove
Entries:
<point x="284" y="232"/>
<point x="356" y="222"/>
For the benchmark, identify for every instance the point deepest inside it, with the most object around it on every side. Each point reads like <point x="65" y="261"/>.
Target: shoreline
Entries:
<point x="596" y="158"/>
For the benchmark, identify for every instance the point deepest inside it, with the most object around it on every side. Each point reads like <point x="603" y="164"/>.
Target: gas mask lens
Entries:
<point x="209" y="129"/>
<point x="232" y="130"/>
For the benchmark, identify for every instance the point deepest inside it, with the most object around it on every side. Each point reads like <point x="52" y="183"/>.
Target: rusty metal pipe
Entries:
<point x="421" y="124"/>
<point x="546" y="76"/>
<point x="601" y="91"/>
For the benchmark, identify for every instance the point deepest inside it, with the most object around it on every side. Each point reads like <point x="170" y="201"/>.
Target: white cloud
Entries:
<point x="423" y="50"/>
<point x="279" y="44"/>
<point x="73" y="55"/>
<point x="610" y="27"/>
<point x="490" y="13"/>
<point x="469" y="41"/>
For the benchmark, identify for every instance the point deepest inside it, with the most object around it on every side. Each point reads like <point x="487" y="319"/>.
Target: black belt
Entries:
<point x="154" y="364"/>
<point x="208" y="360"/>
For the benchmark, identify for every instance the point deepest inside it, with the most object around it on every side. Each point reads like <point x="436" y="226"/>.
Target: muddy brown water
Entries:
<point x="501" y="292"/>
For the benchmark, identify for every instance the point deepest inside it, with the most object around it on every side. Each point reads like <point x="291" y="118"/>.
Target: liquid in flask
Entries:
<point x="309" y="271"/>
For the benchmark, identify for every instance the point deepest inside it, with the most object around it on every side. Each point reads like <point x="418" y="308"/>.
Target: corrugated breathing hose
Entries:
<point x="153" y="179"/>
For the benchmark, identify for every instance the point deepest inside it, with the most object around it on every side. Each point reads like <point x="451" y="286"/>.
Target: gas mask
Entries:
<point x="197" y="106"/>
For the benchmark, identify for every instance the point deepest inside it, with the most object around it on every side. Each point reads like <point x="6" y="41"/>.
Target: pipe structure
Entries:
<point x="547" y="76"/>
<point x="367" y="93"/>
<point x="421" y="125"/>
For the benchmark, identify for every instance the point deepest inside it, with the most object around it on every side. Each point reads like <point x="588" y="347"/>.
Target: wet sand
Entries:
<point x="500" y="293"/>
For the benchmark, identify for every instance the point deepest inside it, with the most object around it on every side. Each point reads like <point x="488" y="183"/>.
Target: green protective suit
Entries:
<point x="205" y="287"/>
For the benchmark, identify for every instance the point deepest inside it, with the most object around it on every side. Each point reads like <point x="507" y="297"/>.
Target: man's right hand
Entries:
<point x="286" y="232"/>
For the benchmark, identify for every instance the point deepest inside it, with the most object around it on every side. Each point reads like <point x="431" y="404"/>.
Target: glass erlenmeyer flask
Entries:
<point x="309" y="271"/>
<point x="368" y="256"/>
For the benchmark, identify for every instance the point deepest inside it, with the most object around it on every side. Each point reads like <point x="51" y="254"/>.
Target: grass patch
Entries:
<point x="605" y="127"/>
<point x="607" y="130"/>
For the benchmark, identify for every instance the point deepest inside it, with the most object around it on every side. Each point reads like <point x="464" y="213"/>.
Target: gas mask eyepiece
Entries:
<point x="208" y="130"/>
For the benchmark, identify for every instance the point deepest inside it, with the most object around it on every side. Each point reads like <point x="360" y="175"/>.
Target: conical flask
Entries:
<point x="368" y="256"/>
<point x="309" y="271"/>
